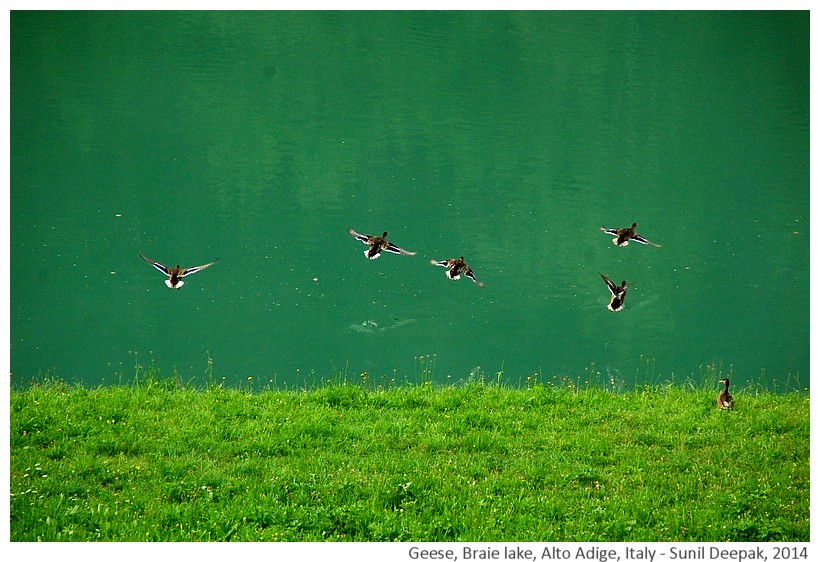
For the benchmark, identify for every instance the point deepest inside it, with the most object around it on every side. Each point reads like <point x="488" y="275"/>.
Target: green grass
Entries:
<point x="158" y="461"/>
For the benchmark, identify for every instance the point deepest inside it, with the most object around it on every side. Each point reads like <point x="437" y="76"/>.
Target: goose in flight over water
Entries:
<point x="616" y="303"/>
<point x="377" y="244"/>
<point x="624" y="235"/>
<point x="455" y="267"/>
<point x="175" y="274"/>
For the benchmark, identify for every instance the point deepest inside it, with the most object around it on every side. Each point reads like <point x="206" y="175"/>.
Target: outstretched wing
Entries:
<point x="392" y="248"/>
<point x="609" y="283"/>
<point x="469" y="273"/>
<point x="641" y="240"/>
<point x="156" y="264"/>
<point x="361" y="237"/>
<point x="444" y="263"/>
<point x="191" y="270"/>
<point x="610" y="231"/>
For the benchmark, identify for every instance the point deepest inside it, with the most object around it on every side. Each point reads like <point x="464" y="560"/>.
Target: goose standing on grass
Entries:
<point x="616" y="303"/>
<point x="455" y="267"/>
<point x="624" y="235"/>
<point x="175" y="274"/>
<point x="724" y="399"/>
<point x="377" y="244"/>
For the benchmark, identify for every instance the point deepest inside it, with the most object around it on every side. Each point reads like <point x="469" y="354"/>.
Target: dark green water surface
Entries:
<point x="505" y="137"/>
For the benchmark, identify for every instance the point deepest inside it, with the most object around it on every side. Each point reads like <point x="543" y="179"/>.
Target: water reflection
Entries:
<point x="373" y="327"/>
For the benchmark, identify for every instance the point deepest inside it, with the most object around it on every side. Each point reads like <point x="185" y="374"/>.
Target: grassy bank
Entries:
<point x="155" y="462"/>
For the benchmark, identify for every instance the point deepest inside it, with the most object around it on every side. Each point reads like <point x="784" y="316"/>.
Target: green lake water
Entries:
<point x="508" y="138"/>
